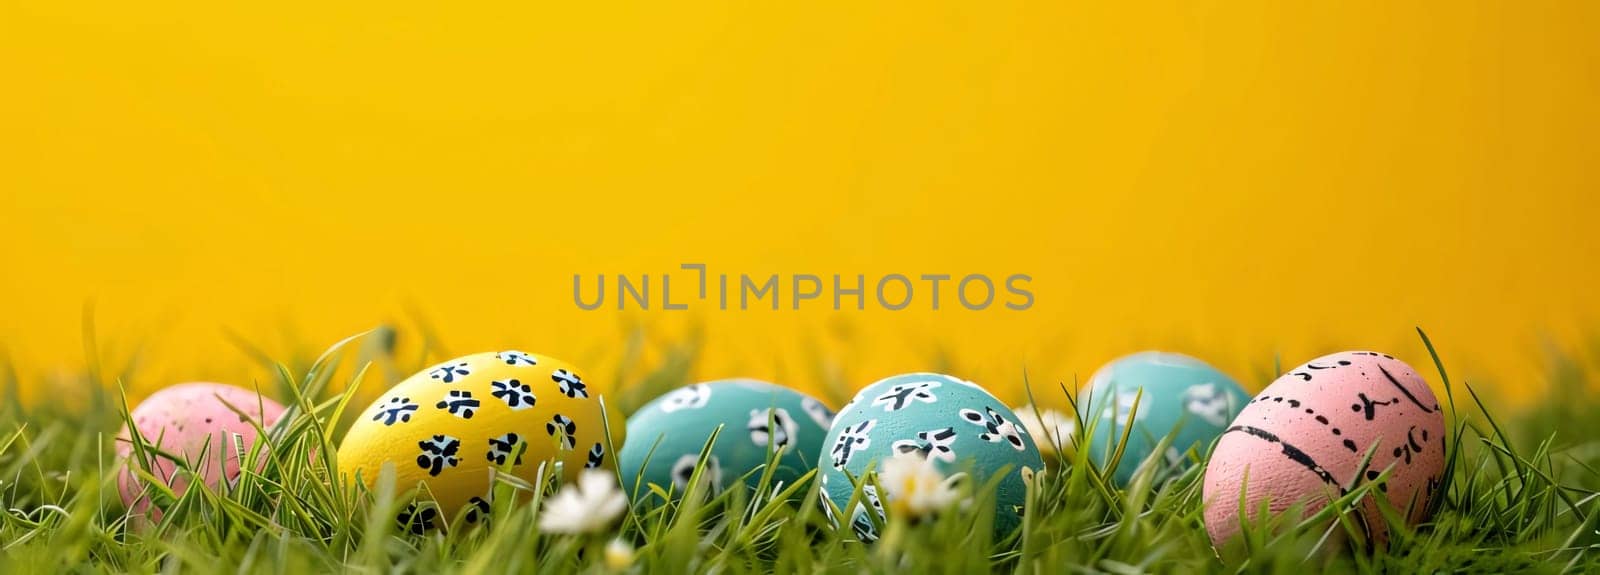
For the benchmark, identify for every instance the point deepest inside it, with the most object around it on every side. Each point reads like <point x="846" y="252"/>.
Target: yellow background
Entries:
<point x="1236" y="180"/>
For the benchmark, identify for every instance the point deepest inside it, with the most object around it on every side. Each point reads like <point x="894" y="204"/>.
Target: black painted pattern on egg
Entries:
<point x="1293" y="453"/>
<point x="1305" y="374"/>
<point x="1405" y="391"/>
<point x="397" y="410"/>
<point x="516" y="358"/>
<point x="509" y="446"/>
<point x="1322" y="419"/>
<point x="851" y="440"/>
<point x="448" y="373"/>
<point x="562" y="428"/>
<point x="438" y="453"/>
<point x="1364" y="405"/>
<point x="570" y="384"/>
<point x="996" y="427"/>
<point x="459" y="403"/>
<point x="417" y="520"/>
<point x="1372" y="354"/>
<point x="477" y="511"/>
<point x="933" y="443"/>
<point x="517" y="395"/>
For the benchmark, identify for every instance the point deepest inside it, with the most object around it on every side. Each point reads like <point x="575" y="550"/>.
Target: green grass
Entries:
<point x="1521" y="495"/>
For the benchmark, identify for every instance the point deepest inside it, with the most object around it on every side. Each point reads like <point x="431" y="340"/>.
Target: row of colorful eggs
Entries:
<point x="1301" y="439"/>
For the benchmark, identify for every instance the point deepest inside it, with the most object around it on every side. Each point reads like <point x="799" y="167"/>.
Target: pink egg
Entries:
<point x="179" y="420"/>
<point x="1302" y="440"/>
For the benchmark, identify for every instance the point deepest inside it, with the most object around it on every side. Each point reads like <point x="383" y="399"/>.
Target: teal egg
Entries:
<point x="953" y="422"/>
<point x="1182" y="396"/>
<point x="665" y="437"/>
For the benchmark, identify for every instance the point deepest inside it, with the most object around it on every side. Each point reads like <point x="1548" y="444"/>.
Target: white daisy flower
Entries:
<point x="914" y="486"/>
<point x="590" y="505"/>
<point x="619" y="555"/>
<point x="1049" y="428"/>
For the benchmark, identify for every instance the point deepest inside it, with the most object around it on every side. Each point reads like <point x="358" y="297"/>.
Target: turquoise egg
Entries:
<point x="1182" y="396"/>
<point x="953" y="422"/>
<point x="671" y="430"/>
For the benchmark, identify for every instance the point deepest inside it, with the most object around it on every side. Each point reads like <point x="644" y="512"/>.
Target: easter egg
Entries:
<point x="447" y="426"/>
<point x="1182" y="396"/>
<point x="1303" y="438"/>
<point x="196" y="423"/>
<point x="954" y="423"/>
<point x="667" y="435"/>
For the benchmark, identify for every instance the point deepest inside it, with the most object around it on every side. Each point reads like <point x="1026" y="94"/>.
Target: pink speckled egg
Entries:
<point x="179" y="420"/>
<point x="1302" y="440"/>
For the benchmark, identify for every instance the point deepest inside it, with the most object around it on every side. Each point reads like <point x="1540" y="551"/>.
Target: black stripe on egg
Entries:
<point x="1294" y="454"/>
<point x="1405" y="391"/>
<point x="1322" y="419"/>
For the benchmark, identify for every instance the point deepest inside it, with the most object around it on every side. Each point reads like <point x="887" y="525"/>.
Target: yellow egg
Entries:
<point x="447" y="426"/>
